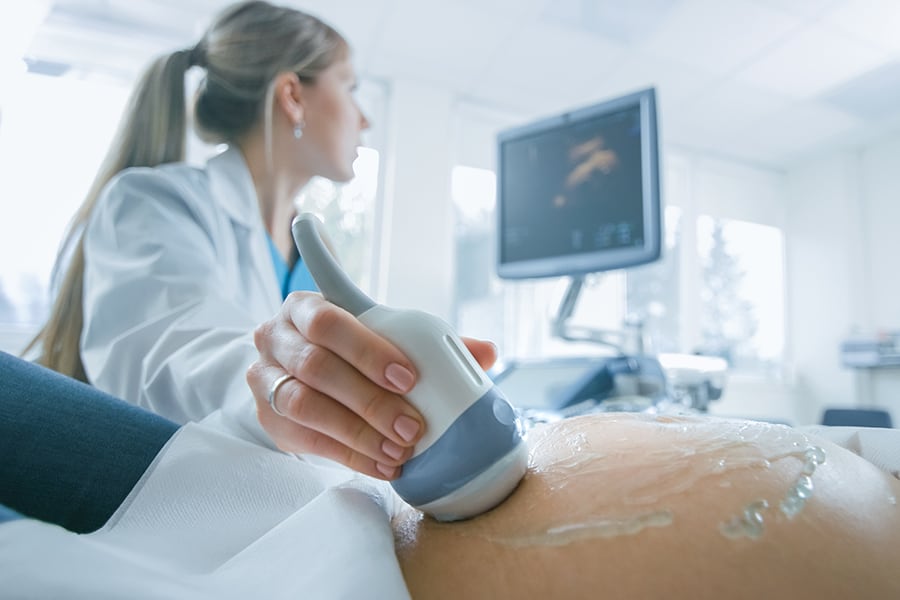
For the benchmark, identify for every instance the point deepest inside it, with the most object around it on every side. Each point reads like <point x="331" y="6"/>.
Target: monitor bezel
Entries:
<point x="605" y="260"/>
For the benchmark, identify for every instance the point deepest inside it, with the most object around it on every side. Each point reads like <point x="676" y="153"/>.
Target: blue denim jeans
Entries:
<point x="69" y="454"/>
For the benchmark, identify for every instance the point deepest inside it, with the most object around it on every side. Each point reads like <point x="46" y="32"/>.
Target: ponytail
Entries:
<point x="152" y="132"/>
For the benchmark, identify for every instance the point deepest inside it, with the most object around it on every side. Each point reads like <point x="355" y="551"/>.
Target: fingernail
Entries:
<point x="406" y="427"/>
<point x="389" y="472"/>
<point x="400" y="376"/>
<point x="393" y="450"/>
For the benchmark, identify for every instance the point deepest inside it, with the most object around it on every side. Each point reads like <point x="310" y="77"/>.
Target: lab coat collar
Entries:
<point x="232" y="186"/>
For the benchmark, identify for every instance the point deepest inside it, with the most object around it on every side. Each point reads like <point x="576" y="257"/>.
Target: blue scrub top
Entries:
<point x="293" y="280"/>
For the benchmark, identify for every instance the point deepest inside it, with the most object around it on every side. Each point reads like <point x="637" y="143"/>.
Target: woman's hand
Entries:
<point x="345" y="399"/>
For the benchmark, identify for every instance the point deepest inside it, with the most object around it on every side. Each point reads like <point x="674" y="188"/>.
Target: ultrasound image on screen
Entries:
<point x="573" y="189"/>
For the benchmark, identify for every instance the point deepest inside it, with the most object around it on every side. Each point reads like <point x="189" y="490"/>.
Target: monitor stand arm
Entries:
<point x="627" y="341"/>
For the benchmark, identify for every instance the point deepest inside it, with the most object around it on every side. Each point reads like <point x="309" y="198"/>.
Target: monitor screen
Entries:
<point x="579" y="192"/>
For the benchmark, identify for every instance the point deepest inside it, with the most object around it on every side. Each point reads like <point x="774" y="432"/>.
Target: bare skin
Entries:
<point x="625" y="506"/>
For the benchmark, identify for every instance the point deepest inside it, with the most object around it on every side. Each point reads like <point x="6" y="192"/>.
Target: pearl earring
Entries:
<point x="298" y="130"/>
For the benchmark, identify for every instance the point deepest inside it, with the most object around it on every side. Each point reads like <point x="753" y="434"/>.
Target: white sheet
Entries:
<point x="878" y="445"/>
<point x="220" y="516"/>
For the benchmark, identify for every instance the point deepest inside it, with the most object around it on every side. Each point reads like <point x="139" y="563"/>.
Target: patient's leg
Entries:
<point x="70" y="454"/>
<point x="632" y="506"/>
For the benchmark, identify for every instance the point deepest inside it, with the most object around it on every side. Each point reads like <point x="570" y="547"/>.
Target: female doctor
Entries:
<point x="176" y="271"/>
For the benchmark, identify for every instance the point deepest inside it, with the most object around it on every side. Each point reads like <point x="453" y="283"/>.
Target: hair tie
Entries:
<point x="197" y="55"/>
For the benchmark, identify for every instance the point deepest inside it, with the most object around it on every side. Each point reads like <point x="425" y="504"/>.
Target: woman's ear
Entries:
<point x="289" y="96"/>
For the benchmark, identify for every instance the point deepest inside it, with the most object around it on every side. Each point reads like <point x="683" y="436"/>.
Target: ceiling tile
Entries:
<point x="439" y="41"/>
<point x="875" y="21"/>
<point x="723" y="70"/>
<point x="719" y="36"/>
<point x="808" y="9"/>
<point x="675" y="83"/>
<point x="549" y="59"/>
<point x="816" y="58"/>
<point x="874" y="95"/>
<point x="519" y="10"/>
<point x="359" y="22"/>
<point x="623" y="22"/>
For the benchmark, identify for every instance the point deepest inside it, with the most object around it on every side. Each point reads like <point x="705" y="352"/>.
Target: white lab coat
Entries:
<point x="178" y="274"/>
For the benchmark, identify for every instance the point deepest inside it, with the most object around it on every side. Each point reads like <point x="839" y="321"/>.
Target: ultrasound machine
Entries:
<point x="579" y="193"/>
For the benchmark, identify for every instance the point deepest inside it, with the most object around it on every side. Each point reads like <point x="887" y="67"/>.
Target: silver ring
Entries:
<point x="274" y="390"/>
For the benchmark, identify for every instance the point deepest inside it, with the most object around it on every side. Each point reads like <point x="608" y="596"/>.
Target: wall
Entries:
<point x="416" y="227"/>
<point x="880" y="167"/>
<point x="881" y="190"/>
<point x="842" y="249"/>
<point x="822" y="246"/>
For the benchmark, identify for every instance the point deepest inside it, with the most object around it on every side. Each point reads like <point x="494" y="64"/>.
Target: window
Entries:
<point x="742" y="292"/>
<point x="479" y="294"/>
<point x="47" y="162"/>
<point x="348" y="215"/>
<point x="351" y="211"/>
<point x="654" y="290"/>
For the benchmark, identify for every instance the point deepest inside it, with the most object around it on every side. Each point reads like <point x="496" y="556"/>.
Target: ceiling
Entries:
<point x="768" y="82"/>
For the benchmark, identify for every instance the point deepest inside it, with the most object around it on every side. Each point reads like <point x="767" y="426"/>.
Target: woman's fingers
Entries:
<point x="324" y="324"/>
<point x="336" y="355"/>
<point x="345" y="401"/>
<point x="387" y="412"/>
<point x="326" y="424"/>
<point x="315" y="411"/>
<point x="291" y="436"/>
<point x="485" y="353"/>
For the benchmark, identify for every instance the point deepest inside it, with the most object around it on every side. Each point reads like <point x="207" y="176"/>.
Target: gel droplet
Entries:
<point x="751" y="524"/>
<point x="804" y="487"/>
<point x="815" y="455"/>
<point x="792" y="505"/>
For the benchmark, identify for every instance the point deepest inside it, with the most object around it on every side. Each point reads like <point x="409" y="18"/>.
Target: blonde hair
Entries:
<point x="247" y="45"/>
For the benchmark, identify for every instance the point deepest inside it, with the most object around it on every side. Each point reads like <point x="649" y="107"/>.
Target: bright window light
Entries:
<point x="48" y="160"/>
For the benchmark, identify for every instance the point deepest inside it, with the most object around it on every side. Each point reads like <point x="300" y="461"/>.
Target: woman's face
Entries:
<point x="333" y="122"/>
